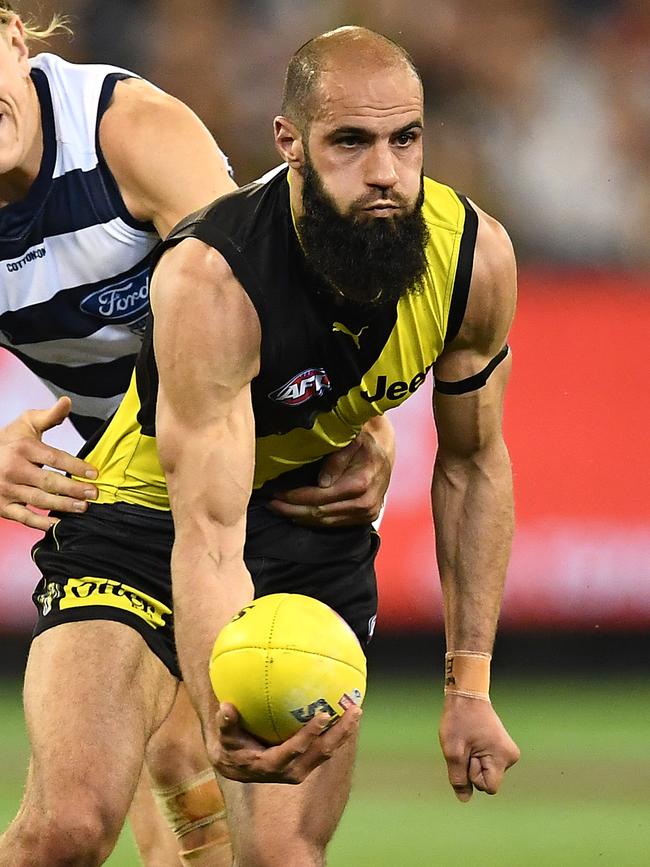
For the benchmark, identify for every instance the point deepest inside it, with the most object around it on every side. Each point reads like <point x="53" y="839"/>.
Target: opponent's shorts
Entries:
<point x="113" y="563"/>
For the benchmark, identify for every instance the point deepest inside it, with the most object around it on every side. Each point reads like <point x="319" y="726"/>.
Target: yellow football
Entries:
<point x="284" y="658"/>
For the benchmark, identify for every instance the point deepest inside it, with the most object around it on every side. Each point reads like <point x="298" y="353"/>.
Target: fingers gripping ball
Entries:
<point x="283" y="659"/>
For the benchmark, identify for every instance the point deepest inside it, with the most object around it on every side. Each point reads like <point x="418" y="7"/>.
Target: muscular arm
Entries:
<point x="207" y="353"/>
<point x="473" y="507"/>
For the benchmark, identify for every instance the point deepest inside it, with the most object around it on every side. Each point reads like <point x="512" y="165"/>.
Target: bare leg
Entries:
<point x="94" y="694"/>
<point x="187" y="789"/>
<point x="289" y="826"/>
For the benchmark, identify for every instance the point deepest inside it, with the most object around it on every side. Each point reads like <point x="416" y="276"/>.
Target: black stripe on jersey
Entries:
<point x="317" y="345"/>
<point x="85" y="425"/>
<point x="62" y="316"/>
<point x="110" y="185"/>
<point x="106" y="379"/>
<point x="17" y="218"/>
<point x="77" y="200"/>
<point x="472" y="383"/>
<point x="146" y="377"/>
<point x="463" y="277"/>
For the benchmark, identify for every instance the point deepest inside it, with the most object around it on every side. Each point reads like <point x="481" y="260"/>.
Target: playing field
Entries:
<point x="579" y="797"/>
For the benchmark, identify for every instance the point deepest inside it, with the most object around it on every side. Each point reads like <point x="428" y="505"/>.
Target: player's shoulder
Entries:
<point x="444" y="209"/>
<point x="136" y="104"/>
<point x="493" y="287"/>
<point x="255" y="211"/>
<point x="494" y="257"/>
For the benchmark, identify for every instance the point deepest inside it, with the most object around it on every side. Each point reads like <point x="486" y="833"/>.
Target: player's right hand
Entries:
<point x="243" y="758"/>
<point x="28" y="466"/>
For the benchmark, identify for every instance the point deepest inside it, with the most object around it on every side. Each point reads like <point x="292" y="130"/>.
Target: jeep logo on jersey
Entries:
<point x="123" y="302"/>
<point x="396" y="390"/>
<point x="309" y="383"/>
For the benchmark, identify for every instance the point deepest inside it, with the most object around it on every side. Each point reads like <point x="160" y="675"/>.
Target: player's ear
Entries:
<point x="288" y="142"/>
<point x="15" y="35"/>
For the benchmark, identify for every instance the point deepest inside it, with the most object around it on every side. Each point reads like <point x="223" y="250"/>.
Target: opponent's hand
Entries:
<point x="351" y="488"/>
<point x="241" y="757"/>
<point x="25" y="480"/>
<point x="476" y="746"/>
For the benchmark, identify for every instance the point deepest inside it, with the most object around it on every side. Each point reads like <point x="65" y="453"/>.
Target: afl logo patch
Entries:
<point x="123" y="302"/>
<point x="313" y="382"/>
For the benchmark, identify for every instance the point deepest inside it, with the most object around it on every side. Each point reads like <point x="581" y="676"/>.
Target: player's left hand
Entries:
<point x="351" y="488"/>
<point x="243" y="758"/>
<point x="477" y="748"/>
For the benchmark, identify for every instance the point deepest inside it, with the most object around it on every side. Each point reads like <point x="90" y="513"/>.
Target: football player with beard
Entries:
<point x="285" y="317"/>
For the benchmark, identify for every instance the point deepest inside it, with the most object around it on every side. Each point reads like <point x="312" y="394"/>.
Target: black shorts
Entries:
<point x="112" y="563"/>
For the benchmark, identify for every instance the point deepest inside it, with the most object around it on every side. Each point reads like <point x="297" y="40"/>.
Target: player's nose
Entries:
<point x="381" y="171"/>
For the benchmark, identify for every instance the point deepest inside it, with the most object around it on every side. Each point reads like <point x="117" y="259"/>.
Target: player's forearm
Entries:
<point x="473" y="514"/>
<point x="210" y="584"/>
<point x="209" y="496"/>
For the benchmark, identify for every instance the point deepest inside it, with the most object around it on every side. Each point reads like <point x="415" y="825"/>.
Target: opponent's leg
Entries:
<point x="186" y="789"/>
<point x="289" y="826"/>
<point x="94" y="694"/>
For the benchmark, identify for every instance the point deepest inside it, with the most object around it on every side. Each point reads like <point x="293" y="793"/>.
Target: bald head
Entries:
<point x="354" y="49"/>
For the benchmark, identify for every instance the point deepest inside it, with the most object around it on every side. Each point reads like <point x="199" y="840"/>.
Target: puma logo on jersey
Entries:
<point x="395" y="390"/>
<point x="313" y="382"/>
<point x="339" y="326"/>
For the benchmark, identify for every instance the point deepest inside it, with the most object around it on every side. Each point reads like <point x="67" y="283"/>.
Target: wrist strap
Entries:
<point x="467" y="673"/>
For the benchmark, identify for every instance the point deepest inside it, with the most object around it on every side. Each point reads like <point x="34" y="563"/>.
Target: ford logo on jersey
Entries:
<point x="309" y="383"/>
<point x="122" y="302"/>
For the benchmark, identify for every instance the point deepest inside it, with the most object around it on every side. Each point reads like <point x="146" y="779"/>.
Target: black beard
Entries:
<point x="375" y="261"/>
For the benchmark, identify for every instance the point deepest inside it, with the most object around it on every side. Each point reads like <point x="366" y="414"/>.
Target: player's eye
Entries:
<point x="405" y="138"/>
<point x="349" y="141"/>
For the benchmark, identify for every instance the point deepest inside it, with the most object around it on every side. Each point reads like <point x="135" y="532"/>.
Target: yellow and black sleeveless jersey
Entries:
<point x="326" y="366"/>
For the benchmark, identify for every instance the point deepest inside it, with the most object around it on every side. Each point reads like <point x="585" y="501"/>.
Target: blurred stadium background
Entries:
<point x="540" y="111"/>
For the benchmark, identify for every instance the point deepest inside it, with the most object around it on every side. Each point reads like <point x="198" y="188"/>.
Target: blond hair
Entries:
<point x="57" y="25"/>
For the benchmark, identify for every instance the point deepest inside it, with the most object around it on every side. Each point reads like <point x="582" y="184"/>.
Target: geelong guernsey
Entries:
<point x="327" y="367"/>
<point x="73" y="262"/>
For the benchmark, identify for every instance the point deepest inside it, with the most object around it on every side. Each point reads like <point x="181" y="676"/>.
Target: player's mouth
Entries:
<point x="382" y="209"/>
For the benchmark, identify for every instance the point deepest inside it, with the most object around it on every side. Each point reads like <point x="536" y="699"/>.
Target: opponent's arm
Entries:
<point x="352" y="483"/>
<point x="207" y="352"/>
<point x="166" y="165"/>
<point x="473" y="514"/>
<point x="165" y="161"/>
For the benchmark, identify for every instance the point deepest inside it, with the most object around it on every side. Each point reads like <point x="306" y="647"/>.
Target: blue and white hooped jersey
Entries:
<point x="74" y="263"/>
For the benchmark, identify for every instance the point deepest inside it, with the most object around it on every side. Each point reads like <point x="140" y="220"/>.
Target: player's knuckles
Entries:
<point x="358" y="484"/>
<point x="455" y="753"/>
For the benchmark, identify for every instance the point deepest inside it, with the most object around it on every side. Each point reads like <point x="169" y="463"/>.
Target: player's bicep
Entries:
<point x="472" y="372"/>
<point x="470" y="421"/>
<point x="207" y="352"/>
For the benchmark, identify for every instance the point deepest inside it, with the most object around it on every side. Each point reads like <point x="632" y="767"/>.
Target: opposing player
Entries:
<point x="320" y="299"/>
<point x="94" y="168"/>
